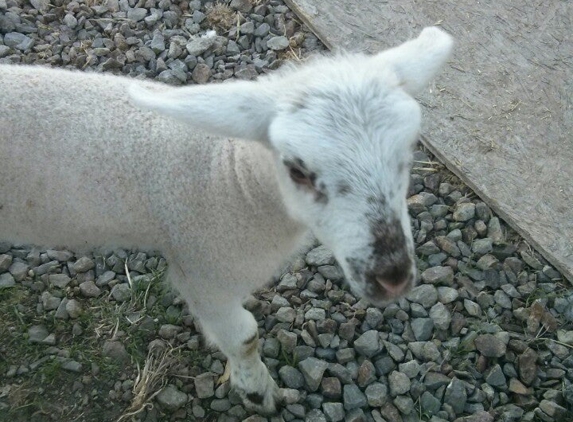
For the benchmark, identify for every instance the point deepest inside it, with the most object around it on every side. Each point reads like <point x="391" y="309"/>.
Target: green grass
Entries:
<point x="34" y="394"/>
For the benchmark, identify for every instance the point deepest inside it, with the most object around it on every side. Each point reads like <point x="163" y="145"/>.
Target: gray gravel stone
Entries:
<point x="89" y="289"/>
<point x="18" y="41"/>
<point x="72" y="366"/>
<point x="46" y="268"/>
<point x="70" y="21"/>
<point x="115" y="350"/>
<point x="430" y="405"/>
<point x="331" y="272"/>
<point x="278" y="43"/>
<point x="59" y="255"/>
<point x="340" y="372"/>
<point x="411" y="369"/>
<point x="494" y="231"/>
<point x="315" y="314"/>
<point x="423" y="328"/>
<point x="502" y="299"/>
<point x="494" y="376"/>
<point x="83" y="264"/>
<point x="320" y="256"/>
<point x="312" y="369"/>
<point x="136" y="14"/>
<point x="50" y="302"/>
<point x="368" y="344"/>
<point x="6" y="280"/>
<point x="73" y="308"/>
<point x="201" y="73"/>
<point x="5" y="261"/>
<point x="404" y="404"/>
<point x="315" y="415"/>
<point x="262" y="30"/>
<point x="287" y="340"/>
<point x="527" y="366"/>
<point x="105" y="278"/>
<point x="376" y="394"/>
<point x="438" y="275"/>
<point x="288" y="282"/>
<point x="428" y="248"/>
<point x="220" y="405"/>
<point x="169" y="331"/>
<point x="490" y="346"/>
<point x="399" y="383"/>
<point x="353" y="397"/>
<point x="394" y="351"/>
<point x="472" y="308"/>
<point x="198" y="46"/>
<point x="440" y="316"/>
<point x="59" y="280"/>
<point x="170" y="398"/>
<point x="425" y="294"/>
<point x="37" y="333"/>
<point x="41" y="5"/>
<point x="334" y="412"/>
<point x="435" y="380"/>
<point x="464" y="211"/>
<point x="374" y="318"/>
<point x="448" y="244"/>
<point x="456" y="395"/>
<point x="271" y="347"/>
<point x="286" y="314"/>
<point x="157" y="43"/>
<point x="121" y="292"/>
<point x="244" y="6"/>
<point x="291" y="377"/>
<point x="205" y="385"/>
<point x="384" y="365"/>
<point x="331" y="388"/>
<point x="19" y="270"/>
<point x="482" y="246"/>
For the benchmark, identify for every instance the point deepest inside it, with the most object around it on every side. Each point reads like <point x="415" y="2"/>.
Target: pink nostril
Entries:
<point x="393" y="289"/>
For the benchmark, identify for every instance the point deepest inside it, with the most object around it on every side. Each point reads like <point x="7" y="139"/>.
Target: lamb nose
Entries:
<point x="393" y="288"/>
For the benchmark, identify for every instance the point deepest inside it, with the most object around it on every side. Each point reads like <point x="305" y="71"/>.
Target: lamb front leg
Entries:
<point x="234" y="331"/>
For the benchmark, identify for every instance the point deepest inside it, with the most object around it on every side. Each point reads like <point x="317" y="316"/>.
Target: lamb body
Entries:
<point x="81" y="166"/>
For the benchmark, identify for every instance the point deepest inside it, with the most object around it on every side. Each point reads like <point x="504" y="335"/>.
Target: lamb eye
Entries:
<point x="298" y="176"/>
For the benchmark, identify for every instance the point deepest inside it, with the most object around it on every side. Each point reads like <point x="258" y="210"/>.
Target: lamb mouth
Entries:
<point x="377" y="295"/>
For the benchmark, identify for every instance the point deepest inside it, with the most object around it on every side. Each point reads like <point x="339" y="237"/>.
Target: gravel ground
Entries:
<point x="486" y="336"/>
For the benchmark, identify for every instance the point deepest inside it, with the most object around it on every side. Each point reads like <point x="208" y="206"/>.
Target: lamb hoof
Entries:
<point x="261" y="402"/>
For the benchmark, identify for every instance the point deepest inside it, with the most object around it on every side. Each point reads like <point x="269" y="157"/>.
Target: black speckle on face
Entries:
<point x="392" y="261"/>
<point x="322" y="194"/>
<point x="251" y="339"/>
<point x="388" y="236"/>
<point x="343" y="189"/>
<point x="357" y="266"/>
<point x="320" y="190"/>
<point x="256" y="398"/>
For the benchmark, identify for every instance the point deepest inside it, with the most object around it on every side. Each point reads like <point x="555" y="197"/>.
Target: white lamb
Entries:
<point x="327" y="147"/>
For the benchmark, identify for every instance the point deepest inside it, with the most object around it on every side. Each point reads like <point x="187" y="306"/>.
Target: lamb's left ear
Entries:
<point x="242" y="109"/>
<point x="417" y="61"/>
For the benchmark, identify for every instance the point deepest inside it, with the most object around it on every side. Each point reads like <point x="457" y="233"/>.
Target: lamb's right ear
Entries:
<point x="242" y="109"/>
<point x="417" y="61"/>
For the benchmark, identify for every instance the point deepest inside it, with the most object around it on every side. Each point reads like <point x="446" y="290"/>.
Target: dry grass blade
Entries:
<point x="150" y="380"/>
<point x="221" y="16"/>
<point x="428" y="166"/>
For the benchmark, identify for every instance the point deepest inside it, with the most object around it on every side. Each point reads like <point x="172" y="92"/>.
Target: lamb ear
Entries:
<point x="417" y="61"/>
<point x="241" y="109"/>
